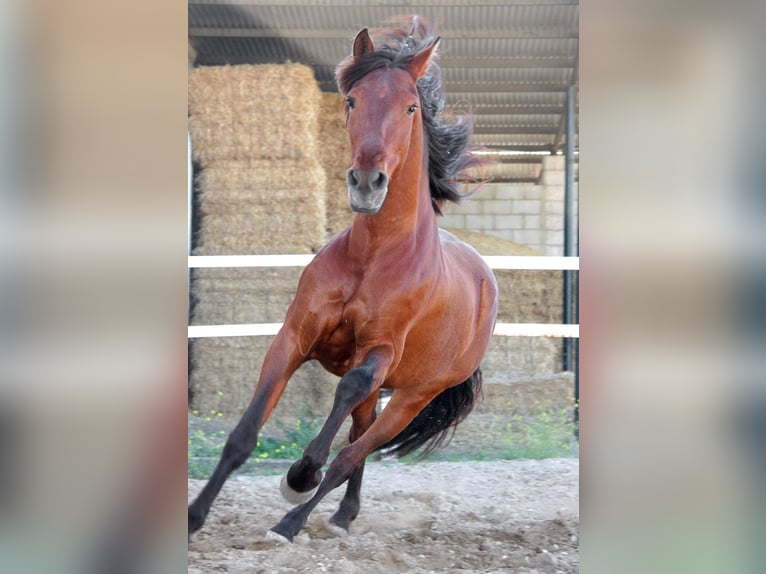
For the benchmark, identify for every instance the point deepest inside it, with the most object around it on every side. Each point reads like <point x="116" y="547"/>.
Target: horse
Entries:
<point x="392" y="302"/>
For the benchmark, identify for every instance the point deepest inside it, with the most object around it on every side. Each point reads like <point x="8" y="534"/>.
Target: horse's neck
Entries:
<point x="405" y="221"/>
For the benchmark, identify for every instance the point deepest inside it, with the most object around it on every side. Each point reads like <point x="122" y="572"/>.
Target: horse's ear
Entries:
<point x="363" y="43"/>
<point x="419" y="62"/>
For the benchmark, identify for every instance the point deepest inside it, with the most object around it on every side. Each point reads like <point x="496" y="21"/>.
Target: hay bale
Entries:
<point x="528" y="296"/>
<point x="249" y="295"/>
<point x="335" y="158"/>
<point x="225" y="372"/>
<point x="254" y="131"/>
<point x="491" y="245"/>
<point x="261" y="206"/>
<point x="523" y="396"/>
<point x="243" y="112"/>
<point x="511" y="359"/>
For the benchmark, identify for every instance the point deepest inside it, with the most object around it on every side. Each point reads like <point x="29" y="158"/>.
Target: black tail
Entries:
<point x="435" y="425"/>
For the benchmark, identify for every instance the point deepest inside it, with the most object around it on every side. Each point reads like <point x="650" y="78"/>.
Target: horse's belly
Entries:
<point x="434" y="354"/>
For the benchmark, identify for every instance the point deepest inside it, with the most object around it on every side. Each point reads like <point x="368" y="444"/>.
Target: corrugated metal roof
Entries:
<point x="509" y="63"/>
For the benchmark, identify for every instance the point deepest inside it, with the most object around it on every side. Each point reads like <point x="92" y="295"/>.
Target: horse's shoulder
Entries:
<point x="329" y="259"/>
<point x="453" y="245"/>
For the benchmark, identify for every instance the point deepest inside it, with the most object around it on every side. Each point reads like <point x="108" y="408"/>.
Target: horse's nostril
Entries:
<point x="377" y="180"/>
<point x="352" y="177"/>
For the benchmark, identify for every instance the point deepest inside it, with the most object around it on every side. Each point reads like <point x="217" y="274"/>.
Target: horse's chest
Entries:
<point x="358" y="321"/>
<point x="337" y="347"/>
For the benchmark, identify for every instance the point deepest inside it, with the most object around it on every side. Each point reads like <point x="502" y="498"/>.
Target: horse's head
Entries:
<point x="382" y="116"/>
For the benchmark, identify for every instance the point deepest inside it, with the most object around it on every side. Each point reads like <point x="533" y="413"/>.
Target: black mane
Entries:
<point x="449" y="138"/>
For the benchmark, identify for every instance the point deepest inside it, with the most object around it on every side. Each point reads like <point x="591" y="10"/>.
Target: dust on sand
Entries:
<point x="492" y="516"/>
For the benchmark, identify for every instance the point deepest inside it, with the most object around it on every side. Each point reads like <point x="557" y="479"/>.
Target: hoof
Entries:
<point x="195" y="521"/>
<point x="335" y="530"/>
<point x="293" y="496"/>
<point x="276" y="537"/>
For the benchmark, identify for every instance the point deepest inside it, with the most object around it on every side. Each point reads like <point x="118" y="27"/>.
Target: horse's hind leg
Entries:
<point x="363" y="417"/>
<point x="280" y="363"/>
<point x="305" y="474"/>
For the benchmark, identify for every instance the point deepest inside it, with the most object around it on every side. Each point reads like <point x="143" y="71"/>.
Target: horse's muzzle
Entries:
<point x="366" y="189"/>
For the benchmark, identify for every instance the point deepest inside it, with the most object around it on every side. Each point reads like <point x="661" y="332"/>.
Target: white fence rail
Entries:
<point x="494" y="261"/>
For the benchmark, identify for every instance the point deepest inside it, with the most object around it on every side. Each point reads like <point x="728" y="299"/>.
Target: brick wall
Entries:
<point x="525" y="213"/>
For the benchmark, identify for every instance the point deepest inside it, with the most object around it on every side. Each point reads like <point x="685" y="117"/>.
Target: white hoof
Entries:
<point x="275" y="537"/>
<point x="335" y="530"/>
<point x="293" y="496"/>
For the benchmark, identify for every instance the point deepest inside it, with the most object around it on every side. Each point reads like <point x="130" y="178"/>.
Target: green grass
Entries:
<point x="544" y="432"/>
<point x="207" y="437"/>
<point x="547" y="432"/>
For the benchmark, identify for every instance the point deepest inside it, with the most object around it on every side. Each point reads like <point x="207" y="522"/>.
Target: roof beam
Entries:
<point x="542" y="149"/>
<point x="484" y="87"/>
<point x="514" y="179"/>
<point x="515" y="130"/>
<point x="480" y="110"/>
<point x="344" y="34"/>
<point x="494" y="87"/>
<point x="558" y="140"/>
<point x="521" y="62"/>
<point x="383" y="3"/>
<point x="517" y="159"/>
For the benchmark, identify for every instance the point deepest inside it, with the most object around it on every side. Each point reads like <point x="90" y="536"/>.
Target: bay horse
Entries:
<point x="392" y="302"/>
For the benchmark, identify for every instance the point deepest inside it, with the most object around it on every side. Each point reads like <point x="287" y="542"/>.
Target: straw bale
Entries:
<point x="259" y="180"/>
<point x="510" y="359"/>
<point x="225" y="372"/>
<point x="528" y="296"/>
<point x="491" y="245"/>
<point x="243" y="112"/>
<point x="525" y="397"/>
<point x="248" y="295"/>
<point x="251" y="207"/>
<point x="335" y="158"/>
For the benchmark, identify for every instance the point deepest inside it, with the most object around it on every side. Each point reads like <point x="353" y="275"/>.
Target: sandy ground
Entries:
<point x="495" y="516"/>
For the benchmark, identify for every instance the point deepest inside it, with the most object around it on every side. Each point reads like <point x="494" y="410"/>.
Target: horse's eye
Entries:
<point x="349" y="103"/>
<point x="411" y="109"/>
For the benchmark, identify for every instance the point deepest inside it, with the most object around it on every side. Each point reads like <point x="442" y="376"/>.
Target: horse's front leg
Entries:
<point x="358" y="386"/>
<point x="280" y="362"/>
<point x="355" y="390"/>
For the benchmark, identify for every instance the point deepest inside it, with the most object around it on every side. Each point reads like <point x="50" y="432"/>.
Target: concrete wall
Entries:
<point x="530" y="214"/>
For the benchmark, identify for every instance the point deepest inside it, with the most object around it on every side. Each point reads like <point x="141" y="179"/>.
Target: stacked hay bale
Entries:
<point x="335" y="157"/>
<point x="262" y="206"/>
<point x="254" y="133"/>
